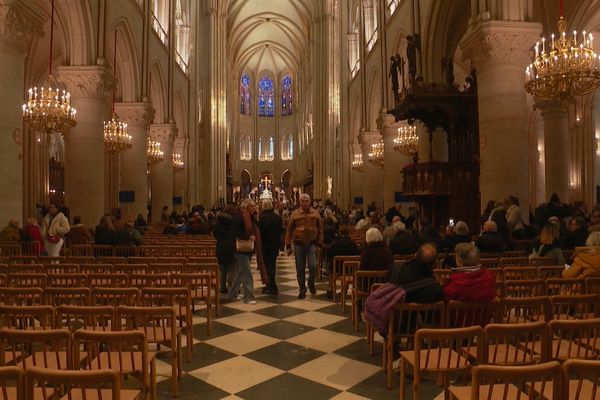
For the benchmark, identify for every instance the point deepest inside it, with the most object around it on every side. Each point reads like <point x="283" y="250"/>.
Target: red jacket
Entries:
<point x="472" y="287"/>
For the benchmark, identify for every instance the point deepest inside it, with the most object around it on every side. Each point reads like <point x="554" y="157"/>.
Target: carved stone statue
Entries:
<point x="329" y="186"/>
<point x="411" y="55"/>
<point x="394" y="68"/>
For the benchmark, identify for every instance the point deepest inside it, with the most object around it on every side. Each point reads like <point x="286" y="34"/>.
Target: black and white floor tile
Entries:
<point x="282" y="347"/>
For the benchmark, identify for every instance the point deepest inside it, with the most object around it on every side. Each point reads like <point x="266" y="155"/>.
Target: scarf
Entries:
<point x="251" y="228"/>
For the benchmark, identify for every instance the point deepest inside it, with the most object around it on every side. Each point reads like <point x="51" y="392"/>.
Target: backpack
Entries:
<point x="379" y="304"/>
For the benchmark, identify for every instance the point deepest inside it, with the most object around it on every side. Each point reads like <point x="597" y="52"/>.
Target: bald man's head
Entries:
<point x="427" y="253"/>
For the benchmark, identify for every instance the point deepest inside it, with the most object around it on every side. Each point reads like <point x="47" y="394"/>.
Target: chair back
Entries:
<point x="42" y="384"/>
<point x="513" y="262"/>
<point x="577" y="306"/>
<point x="523" y="288"/>
<point x="519" y="273"/>
<point x="11" y="383"/>
<point x="96" y="318"/>
<point x="519" y="310"/>
<point x="407" y="318"/>
<point x="583" y="379"/>
<point x="23" y="296"/>
<point x="74" y="296"/>
<point x="515" y="344"/>
<point x="49" y="348"/>
<point x="27" y="317"/>
<point x="115" y="296"/>
<point x="562" y="286"/>
<point x="67" y="280"/>
<point x="460" y="314"/>
<point x="363" y="280"/>
<point x="440" y="350"/>
<point x="113" y="280"/>
<point x="574" y="339"/>
<point x="549" y="271"/>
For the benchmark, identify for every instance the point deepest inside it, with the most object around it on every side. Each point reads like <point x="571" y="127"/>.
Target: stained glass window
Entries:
<point x="286" y="95"/>
<point x="245" y="95"/>
<point x="266" y="105"/>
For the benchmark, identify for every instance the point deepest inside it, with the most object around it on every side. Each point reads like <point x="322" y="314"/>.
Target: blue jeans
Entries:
<point x="243" y="278"/>
<point x="304" y="253"/>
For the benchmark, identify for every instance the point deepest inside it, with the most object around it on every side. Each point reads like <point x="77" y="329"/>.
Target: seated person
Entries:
<point x="490" y="240"/>
<point x="375" y="256"/>
<point x="429" y="234"/>
<point x="548" y="244"/>
<point x="11" y="232"/>
<point x="577" y="233"/>
<point x="456" y="234"/>
<point x="404" y="242"/>
<point x="78" y="234"/>
<point x="128" y="235"/>
<point x="340" y="246"/>
<point x="468" y="281"/>
<point x="421" y="267"/>
<point x="105" y="231"/>
<point x="587" y="260"/>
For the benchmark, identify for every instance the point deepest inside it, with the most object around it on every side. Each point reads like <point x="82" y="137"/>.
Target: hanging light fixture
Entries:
<point x="563" y="66"/>
<point x="48" y="108"/>
<point x="376" y="154"/>
<point x="155" y="154"/>
<point x="407" y="140"/>
<point x="178" y="163"/>
<point x="357" y="163"/>
<point x="116" y="138"/>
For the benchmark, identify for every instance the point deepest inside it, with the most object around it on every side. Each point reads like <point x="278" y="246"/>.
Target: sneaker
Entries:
<point x="302" y="295"/>
<point x="252" y="302"/>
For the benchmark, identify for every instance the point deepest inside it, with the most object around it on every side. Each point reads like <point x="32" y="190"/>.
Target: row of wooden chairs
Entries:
<point x="46" y="384"/>
<point x="526" y="347"/>
<point x="145" y="250"/>
<point x="407" y="318"/>
<point x="104" y="260"/>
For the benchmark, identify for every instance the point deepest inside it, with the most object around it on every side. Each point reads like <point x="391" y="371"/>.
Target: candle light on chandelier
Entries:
<point x="407" y="140"/>
<point x="357" y="162"/>
<point x="155" y="154"/>
<point x="376" y="154"/>
<point x="178" y="163"/>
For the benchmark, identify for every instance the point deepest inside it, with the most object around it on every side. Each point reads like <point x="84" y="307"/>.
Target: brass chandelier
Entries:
<point x="178" y="163"/>
<point x="357" y="162"/>
<point x="155" y="154"/>
<point x="563" y="66"/>
<point x="376" y="154"/>
<point x="116" y="138"/>
<point x="407" y="140"/>
<point x="48" y="109"/>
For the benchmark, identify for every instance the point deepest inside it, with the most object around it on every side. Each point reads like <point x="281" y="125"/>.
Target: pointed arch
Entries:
<point x="158" y="93"/>
<point x="128" y="66"/>
<point x="245" y="95"/>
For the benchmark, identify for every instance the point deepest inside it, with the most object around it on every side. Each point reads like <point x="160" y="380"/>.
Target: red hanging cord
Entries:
<point x="114" y="72"/>
<point x="51" y="39"/>
<point x="562" y="9"/>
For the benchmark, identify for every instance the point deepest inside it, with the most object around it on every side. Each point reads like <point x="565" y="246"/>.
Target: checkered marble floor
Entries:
<point x="281" y="347"/>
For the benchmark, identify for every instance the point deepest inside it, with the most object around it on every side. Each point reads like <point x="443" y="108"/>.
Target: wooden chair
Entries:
<point x="405" y="320"/>
<point x="27" y="317"/>
<point x="162" y="268"/>
<point x="160" y="327"/>
<point x="22" y="296"/>
<point x="524" y="288"/>
<point x="73" y="296"/>
<point x="513" y="262"/>
<point x="11" y="384"/>
<point x="52" y="269"/>
<point x="3" y="280"/>
<point x="363" y="280"/>
<point x="562" y="286"/>
<point x="349" y="269"/>
<point x="182" y="260"/>
<point x="442" y="275"/>
<point x="520" y="273"/>
<point x="181" y="299"/>
<point x="592" y="284"/>
<point x="102" y="250"/>
<point x="67" y="280"/>
<point x="111" y="260"/>
<point x="489" y="262"/>
<point x="513" y="344"/>
<point x="80" y="260"/>
<point x="27" y="280"/>
<point x="149" y="280"/>
<point x="108" y="280"/>
<point x="138" y="260"/>
<point x="546" y="271"/>
<point x="520" y="310"/>
<point x="9" y="249"/>
<point x="130" y="269"/>
<point x="96" y="268"/>
<point x="200" y="287"/>
<point x="438" y="351"/>
<point x="583" y="306"/>
<point x="124" y="352"/>
<point x="148" y="251"/>
<point x="26" y="269"/>
<point x="125" y="251"/>
<point x="43" y="384"/>
<point x="542" y="261"/>
<point x="582" y="379"/>
<point x="49" y="348"/>
<point x="460" y="314"/>
<point x="215" y="275"/>
<point x="115" y="296"/>
<point x="91" y="318"/>
<point x="337" y="270"/>
<point x="574" y="339"/>
<point x="81" y="250"/>
<point x="493" y="382"/>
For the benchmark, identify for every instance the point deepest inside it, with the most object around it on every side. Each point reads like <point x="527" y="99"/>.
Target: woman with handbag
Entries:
<point x="247" y="241"/>
<point x="54" y="227"/>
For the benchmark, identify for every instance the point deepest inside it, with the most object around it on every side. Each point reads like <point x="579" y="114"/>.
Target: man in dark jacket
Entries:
<point x="271" y="228"/>
<point x="577" y="234"/>
<point x="224" y="234"/>
<point x="490" y="241"/>
<point x="415" y="270"/>
<point x="428" y="234"/>
<point x="341" y="246"/>
<point x="404" y="242"/>
<point x="128" y="236"/>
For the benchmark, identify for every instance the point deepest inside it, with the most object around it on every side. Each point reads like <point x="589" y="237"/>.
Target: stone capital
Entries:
<point x="551" y="109"/>
<point x="19" y="23"/>
<point x="368" y="138"/>
<point x="500" y="42"/>
<point x="179" y="144"/>
<point x="386" y="123"/>
<point x="93" y="81"/>
<point x="135" y="113"/>
<point x="163" y="133"/>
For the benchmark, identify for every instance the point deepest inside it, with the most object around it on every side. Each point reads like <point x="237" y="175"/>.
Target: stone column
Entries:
<point x="394" y="161"/>
<point x="84" y="167"/>
<point x="161" y="174"/>
<point x="134" y="162"/>
<point x="556" y="148"/>
<point x="500" y="51"/>
<point x="372" y="173"/>
<point x="18" y="25"/>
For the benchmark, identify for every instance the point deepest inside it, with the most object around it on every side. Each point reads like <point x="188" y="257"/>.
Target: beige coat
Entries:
<point x="59" y="226"/>
<point x="584" y="265"/>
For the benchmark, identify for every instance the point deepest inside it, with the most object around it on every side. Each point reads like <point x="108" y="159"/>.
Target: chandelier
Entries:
<point x="407" y="140"/>
<point x="155" y="154"/>
<point x="563" y="66"/>
<point x="116" y="138"/>
<point x="377" y="153"/>
<point x="48" y="109"/>
<point x="357" y="163"/>
<point x="178" y="163"/>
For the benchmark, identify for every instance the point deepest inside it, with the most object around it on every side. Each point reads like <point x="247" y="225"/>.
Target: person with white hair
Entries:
<point x="391" y="231"/>
<point x="375" y="256"/>
<point x="305" y="232"/>
<point x="490" y="240"/>
<point x="459" y="233"/>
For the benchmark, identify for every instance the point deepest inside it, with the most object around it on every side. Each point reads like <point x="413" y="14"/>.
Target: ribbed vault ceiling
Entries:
<point x="269" y="34"/>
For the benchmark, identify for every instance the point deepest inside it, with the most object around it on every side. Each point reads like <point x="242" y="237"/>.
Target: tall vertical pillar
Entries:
<point x="556" y="147"/>
<point x="134" y="162"/>
<point x="161" y="174"/>
<point x="18" y="25"/>
<point x="84" y="168"/>
<point x="372" y="173"/>
<point x="500" y="51"/>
